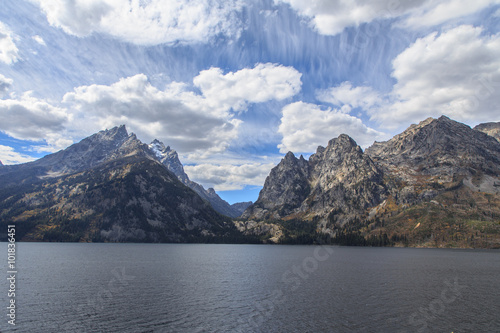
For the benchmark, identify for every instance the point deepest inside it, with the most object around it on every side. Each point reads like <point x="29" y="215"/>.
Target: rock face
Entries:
<point x="284" y="190"/>
<point x="437" y="147"/>
<point x="436" y="153"/>
<point x="435" y="184"/>
<point x="108" y="187"/>
<point x="492" y="129"/>
<point x="170" y="159"/>
<point x="335" y="186"/>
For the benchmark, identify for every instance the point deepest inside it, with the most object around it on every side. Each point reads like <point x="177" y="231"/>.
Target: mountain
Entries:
<point x="492" y="129"/>
<point x="108" y="187"/>
<point x="435" y="184"/>
<point x="333" y="188"/>
<point x="170" y="159"/>
<point x="240" y="207"/>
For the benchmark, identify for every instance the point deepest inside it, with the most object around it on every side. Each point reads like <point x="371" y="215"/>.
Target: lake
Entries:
<point x="68" y="287"/>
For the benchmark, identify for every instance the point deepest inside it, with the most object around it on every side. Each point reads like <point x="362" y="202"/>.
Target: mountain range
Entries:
<point x="436" y="184"/>
<point x="112" y="187"/>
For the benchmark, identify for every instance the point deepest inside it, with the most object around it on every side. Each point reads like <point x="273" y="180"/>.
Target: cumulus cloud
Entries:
<point x="306" y="126"/>
<point x="456" y="73"/>
<point x="147" y="22"/>
<point x="5" y="84"/>
<point x="228" y="177"/>
<point x="175" y="115"/>
<point x="9" y="156"/>
<point x="30" y="118"/>
<point x="191" y="122"/>
<point x="262" y="83"/>
<point x="331" y="17"/>
<point x="9" y="52"/>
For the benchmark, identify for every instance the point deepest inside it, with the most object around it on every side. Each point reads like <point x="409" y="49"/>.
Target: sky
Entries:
<point x="233" y="86"/>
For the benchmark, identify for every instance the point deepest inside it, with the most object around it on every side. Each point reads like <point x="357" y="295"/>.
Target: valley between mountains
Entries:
<point x="437" y="184"/>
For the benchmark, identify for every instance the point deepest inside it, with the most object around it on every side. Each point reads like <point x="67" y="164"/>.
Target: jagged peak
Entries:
<point x="116" y="133"/>
<point x="342" y="140"/>
<point x="289" y="156"/>
<point x="320" y="149"/>
<point x="156" y="142"/>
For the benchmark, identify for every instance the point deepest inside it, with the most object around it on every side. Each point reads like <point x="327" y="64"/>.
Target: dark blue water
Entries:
<point x="252" y="288"/>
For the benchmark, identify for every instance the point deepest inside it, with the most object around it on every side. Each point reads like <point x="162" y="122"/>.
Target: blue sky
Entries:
<point x="234" y="85"/>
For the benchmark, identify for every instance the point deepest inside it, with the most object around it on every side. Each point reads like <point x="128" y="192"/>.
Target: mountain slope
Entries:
<point x="170" y="159"/>
<point x="108" y="187"/>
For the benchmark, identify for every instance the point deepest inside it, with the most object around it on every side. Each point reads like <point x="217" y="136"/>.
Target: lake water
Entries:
<point x="66" y="287"/>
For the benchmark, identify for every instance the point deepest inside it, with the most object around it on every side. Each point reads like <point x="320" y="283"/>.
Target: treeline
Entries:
<point x="306" y="233"/>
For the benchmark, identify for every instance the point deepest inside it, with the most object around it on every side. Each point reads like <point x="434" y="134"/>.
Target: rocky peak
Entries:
<point x="438" y="144"/>
<point x="1" y="164"/>
<point x="170" y="159"/>
<point x="286" y="187"/>
<point x="98" y="148"/>
<point x="492" y="129"/>
<point x="315" y="188"/>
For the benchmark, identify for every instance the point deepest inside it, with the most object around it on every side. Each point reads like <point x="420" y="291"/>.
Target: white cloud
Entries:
<point x="456" y="73"/>
<point x="353" y="97"/>
<point x="39" y="40"/>
<point x="147" y="22"/>
<point x="305" y="126"/>
<point x="262" y="83"/>
<point x="331" y="17"/>
<point x="9" y="156"/>
<point x="30" y="118"/>
<point x="226" y="177"/>
<point x="5" y="84"/>
<point x="175" y="115"/>
<point x="191" y="122"/>
<point x="9" y="52"/>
